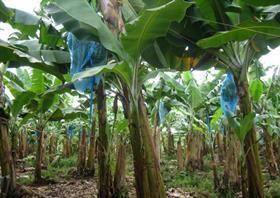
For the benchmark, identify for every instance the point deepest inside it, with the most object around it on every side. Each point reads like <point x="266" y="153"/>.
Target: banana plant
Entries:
<point x="191" y="102"/>
<point x="35" y="43"/>
<point x="185" y="95"/>
<point x="7" y="165"/>
<point x="128" y="65"/>
<point x="233" y="34"/>
<point x="266" y="106"/>
<point x="34" y="101"/>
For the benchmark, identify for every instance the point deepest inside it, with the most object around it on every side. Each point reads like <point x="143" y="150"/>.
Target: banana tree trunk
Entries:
<point x="141" y="164"/>
<point x="156" y="184"/>
<point x="14" y="144"/>
<point x="105" y="186"/>
<point x="44" y="149"/>
<point x="156" y="137"/>
<point x="251" y="150"/>
<point x="113" y="18"/>
<point x="276" y="147"/>
<point x="214" y="168"/>
<point x="180" y="160"/>
<point x="270" y="157"/>
<point x="67" y="146"/>
<point x="232" y="163"/>
<point x="8" y="183"/>
<point x="165" y="150"/>
<point x="51" y="146"/>
<point x="38" y="162"/>
<point x="170" y="145"/>
<point x="194" y="150"/>
<point x="82" y="152"/>
<point x="22" y="144"/>
<point x="140" y="172"/>
<point x="220" y="146"/>
<point x="148" y="180"/>
<point x="91" y="151"/>
<point x="65" y="149"/>
<point x="119" y="177"/>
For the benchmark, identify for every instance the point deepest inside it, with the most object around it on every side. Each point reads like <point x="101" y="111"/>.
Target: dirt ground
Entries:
<point x="87" y="188"/>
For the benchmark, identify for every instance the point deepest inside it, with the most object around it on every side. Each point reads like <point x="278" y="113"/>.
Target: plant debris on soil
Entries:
<point x="87" y="188"/>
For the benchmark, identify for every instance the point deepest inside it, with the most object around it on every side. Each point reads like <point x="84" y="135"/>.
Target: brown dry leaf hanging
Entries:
<point x="112" y="15"/>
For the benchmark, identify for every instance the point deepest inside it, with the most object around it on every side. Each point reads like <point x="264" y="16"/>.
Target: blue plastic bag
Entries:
<point x="162" y="112"/>
<point x="207" y="119"/>
<point x="70" y="132"/>
<point x="85" y="54"/>
<point x="228" y="96"/>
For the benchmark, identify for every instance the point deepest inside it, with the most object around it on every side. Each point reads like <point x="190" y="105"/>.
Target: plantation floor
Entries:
<point x="63" y="182"/>
<point x="87" y="188"/>
<point x="73" y="188"/>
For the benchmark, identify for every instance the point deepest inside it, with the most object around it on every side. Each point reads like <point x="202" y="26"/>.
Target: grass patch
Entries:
<point x="60" y="169"/>
<point x="29" y="161"/>
<point x="25" y="179"/>
<point x="272" y="189"/>
<point x="197" y="181"/>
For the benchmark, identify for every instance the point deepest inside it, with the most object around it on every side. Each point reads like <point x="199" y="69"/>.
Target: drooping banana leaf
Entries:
<point x="150" y="25"/>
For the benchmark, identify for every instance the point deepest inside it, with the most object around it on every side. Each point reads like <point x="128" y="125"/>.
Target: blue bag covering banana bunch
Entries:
<point x="85" y="54"/>
<point x="228" y="96"/>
